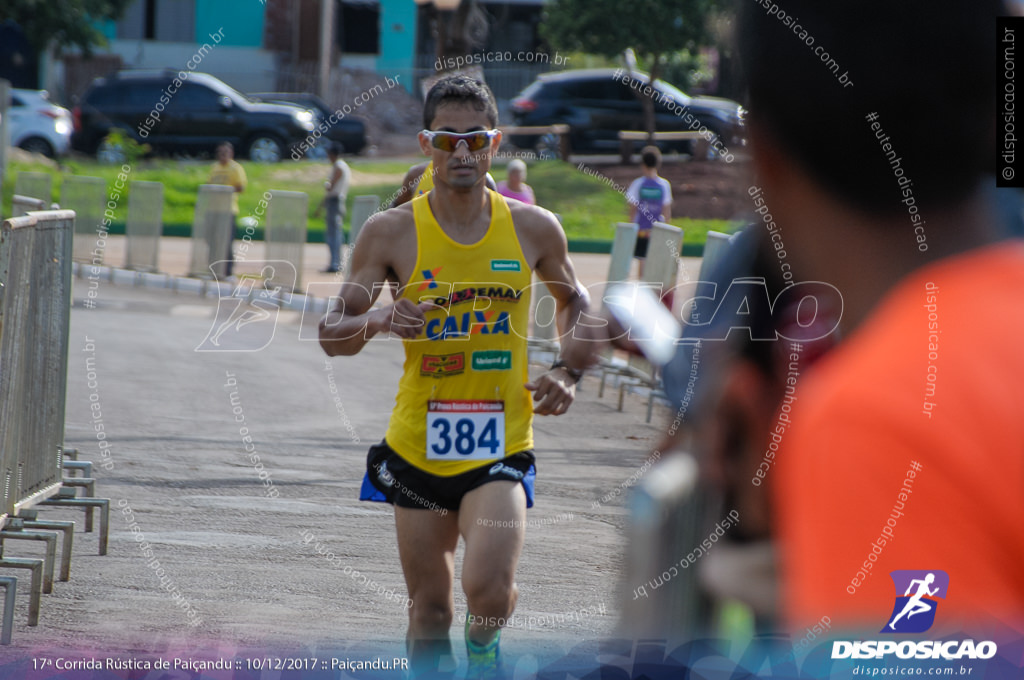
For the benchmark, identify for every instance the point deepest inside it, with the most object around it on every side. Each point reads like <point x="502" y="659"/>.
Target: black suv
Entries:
<point x="598" y="103"/>
<point x="349" y="132"/>
<point x="190" y="116"/>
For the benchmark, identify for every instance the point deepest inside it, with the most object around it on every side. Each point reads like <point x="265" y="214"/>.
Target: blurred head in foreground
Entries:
<point x="882" y="450"/>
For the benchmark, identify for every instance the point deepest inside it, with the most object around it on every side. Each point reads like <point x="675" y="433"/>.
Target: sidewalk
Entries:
<point x="175" y="253"/>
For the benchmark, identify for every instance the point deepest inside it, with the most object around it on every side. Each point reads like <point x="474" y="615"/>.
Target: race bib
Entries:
<point x="465" y="430"/>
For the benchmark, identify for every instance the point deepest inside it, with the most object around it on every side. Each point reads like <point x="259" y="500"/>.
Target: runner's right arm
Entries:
<point x="352" y="323"/>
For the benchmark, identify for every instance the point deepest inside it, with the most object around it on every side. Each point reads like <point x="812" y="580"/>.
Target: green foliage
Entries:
<point x="124" y="145"/>
<point x="62" y="23"/>
<point x="608" y="27"/>
<point x="589" y="208"/>
<point x="651" y="28"/>
<point x="683" y="69"/>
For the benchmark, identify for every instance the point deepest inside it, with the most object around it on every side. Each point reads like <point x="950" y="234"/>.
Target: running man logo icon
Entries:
<point x="247" y="317"/>
<point x="914" y="610"/>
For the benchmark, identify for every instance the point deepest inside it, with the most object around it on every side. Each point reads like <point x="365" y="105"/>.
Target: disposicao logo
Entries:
<point x="914" y="612"/>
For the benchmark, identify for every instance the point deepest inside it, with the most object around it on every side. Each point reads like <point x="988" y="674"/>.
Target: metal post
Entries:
<point x="87" y="504"/>
<point x="10" y="586"/>
<point x="5" y="139"/>
<point x="35" y="589"/>
<point x="363" y="207"/>
<point x="144" y="225"/>
<point x="68" y="528"/>
<point x="326" y="46"/>
<point x="287" y="214"/>
<point x="51" y="550"/>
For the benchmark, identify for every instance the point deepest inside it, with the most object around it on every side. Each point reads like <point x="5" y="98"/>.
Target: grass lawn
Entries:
<point x="588" y="207"/>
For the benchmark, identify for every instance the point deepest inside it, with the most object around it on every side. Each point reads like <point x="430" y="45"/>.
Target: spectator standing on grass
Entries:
<point x="335" y="193"/>
<point x="229" y="172"/>
<point x="650" y="201"/>
<point x="515" y="186"/>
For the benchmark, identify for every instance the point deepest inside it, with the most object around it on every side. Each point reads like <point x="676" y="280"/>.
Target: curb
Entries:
<point x="204" y="288"/>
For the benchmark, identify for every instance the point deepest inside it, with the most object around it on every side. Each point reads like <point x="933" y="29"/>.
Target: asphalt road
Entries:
<point x="221" y="554"/>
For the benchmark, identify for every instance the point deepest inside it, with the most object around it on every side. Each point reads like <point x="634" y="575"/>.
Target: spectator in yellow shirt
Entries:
<point x="229" y="172"/>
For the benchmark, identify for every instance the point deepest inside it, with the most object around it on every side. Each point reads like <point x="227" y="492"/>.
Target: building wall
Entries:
<point x="398" y="40"/>
<point x="249" y="69"/>
<point x="242" y="21"/>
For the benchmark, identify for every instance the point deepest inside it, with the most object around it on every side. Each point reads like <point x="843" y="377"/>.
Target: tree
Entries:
<point x="62" y="23"/>
<point x="652" y="28"/>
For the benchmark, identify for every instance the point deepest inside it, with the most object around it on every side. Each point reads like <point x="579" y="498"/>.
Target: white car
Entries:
<point x="38" y="125"/>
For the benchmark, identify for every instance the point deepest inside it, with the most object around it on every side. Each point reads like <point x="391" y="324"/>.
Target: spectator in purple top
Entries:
<point x="516" y="186"/>
<point x="650" y="201"/>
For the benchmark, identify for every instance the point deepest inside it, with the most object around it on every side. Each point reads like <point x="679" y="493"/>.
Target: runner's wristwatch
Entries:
<point x="575" y="374"/>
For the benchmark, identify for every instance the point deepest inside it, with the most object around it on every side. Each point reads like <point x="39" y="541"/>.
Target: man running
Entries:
<point x="458" y="448"/>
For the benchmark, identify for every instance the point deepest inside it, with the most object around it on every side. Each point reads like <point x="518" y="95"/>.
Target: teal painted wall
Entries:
<point x="242" y="21"/>
<point x="397" y="40"/>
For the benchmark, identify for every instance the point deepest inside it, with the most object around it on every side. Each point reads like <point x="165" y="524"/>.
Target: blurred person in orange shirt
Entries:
<point x="904" y="447"/>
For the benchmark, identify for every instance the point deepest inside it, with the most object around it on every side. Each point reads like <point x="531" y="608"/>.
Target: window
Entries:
<point x="144" y="95"/>
<point x="603" y="89"/>
<point x="106" y="96"/>
<point x="164" y="20"/>
<point x="194" y="97"/>
<point x="359" y="32"/>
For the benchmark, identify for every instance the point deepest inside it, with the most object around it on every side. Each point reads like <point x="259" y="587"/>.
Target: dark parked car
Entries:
<point x="349" y="132"/>
<point x="598" y="103"/>
<point x="190" y="116"/>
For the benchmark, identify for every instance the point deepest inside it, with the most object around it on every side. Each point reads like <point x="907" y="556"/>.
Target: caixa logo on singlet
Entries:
<point x="918" y="592"/>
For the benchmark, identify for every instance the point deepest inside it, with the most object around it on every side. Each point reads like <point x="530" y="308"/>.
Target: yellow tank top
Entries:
<point x="426" y="180"/>
<point x="461" y="403"/>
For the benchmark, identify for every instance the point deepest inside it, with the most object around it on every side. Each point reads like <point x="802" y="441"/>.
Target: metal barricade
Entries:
<point x="287" y="213"/>
<point x="211" y="231"/>
<point x="714" y="249"/>
<point x="33" y="355"/>
<point x="362" y="208"/>
<point x="670" y="513"/>
<point x="23" y="205"/>
<point x="660" y="273"/>
<point x="623" y="247"/>
<point x="36" y="313"/>
<point x="87" y="196"/>
<point x="662" y="264"/>
<point x="34" y="185"/>
<point x="144" y="225"/>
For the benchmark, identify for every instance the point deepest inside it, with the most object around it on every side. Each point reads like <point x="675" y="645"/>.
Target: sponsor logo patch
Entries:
<point x="492" y="360"/>
<point x="429" y="278"/>
<point x="505" y="266"/>
<point x="443" y="365"/>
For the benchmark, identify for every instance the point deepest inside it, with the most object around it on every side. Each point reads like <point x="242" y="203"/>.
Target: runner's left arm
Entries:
<point x="555" y="390"/>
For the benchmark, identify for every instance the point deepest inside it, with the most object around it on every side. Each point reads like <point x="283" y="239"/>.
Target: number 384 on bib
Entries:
<point x="465" y="430"/>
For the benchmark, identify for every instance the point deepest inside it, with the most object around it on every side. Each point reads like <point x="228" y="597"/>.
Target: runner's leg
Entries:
<point x="426" y="546"/>
<point x="492" y="553"/>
